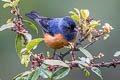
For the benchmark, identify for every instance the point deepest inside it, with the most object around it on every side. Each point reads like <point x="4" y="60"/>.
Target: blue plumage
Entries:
<point x="65" y="25"/>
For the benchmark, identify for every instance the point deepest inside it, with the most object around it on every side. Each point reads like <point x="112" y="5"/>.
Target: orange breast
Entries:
<point x="57" y="41"/>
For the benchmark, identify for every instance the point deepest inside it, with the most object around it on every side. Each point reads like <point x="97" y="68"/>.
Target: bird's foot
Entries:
<point x="54" y="54"/>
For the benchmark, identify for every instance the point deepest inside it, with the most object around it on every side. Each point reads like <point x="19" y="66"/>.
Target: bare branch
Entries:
<point x="113" y="63"/>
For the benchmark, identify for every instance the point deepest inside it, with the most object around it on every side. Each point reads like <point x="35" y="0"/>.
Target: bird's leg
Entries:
<point x="54" y="54"/>
<point x="60" y="56"/>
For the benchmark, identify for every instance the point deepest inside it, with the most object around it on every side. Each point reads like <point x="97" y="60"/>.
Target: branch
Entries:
<point x="113" y="63"/>
<point x="95" y="38"/>
<point x="89" y="44"/>
<point x="74" y="49"/>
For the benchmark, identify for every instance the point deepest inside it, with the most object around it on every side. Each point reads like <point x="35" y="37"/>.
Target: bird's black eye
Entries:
<point x="73" y="26"/>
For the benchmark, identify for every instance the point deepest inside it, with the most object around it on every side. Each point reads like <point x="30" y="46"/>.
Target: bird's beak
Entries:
<point x="76" y="29"/>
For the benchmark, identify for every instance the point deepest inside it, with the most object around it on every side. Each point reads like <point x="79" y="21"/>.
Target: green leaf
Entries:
<point x="77" y="10"/>
<point x="82" y="59"/>
<point x="15" y="3"/>
<point x="76" y="17"/>
<point x="19" y="43"/>
<point x="90" y="36"/>
<point x="25" y="57"/>
<point x="93" y="25"/>
<point x="84" y="13"/>
<point x="9" y="20"/>
<point x="87" y="60"/>
<point x="6" y="0"/>
<point x="86" y="53"/>
<point x="87" y="73"/>
<point x="84" y="28"/>
<point x="35" y="74"/>
<point x="33" y="43"/>
<point x="48" y="53"/>
<point x="45" y="73"/>
<point x="60" y="73"/>
<point x="31" y="25"/>
<point x="117" y="54"/>
<point x="72" y="13"/>
<point x="56" y="63"/>
<point x="97" y="72"/>
<point x="22" y="76"/>
<point x="6" y="5"/>
<point x="6" y="26"/>
<point x="28" y="37"/>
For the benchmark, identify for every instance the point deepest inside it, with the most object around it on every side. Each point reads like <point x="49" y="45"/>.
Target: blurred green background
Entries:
<point x="105" y="10"/>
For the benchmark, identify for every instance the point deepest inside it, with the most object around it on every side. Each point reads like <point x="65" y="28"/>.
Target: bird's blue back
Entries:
<point x="54" y="25"/>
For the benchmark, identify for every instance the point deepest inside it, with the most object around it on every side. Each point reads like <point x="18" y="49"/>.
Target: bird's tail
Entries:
<point x="33" y="15"/>
<point x="36" y="17"/>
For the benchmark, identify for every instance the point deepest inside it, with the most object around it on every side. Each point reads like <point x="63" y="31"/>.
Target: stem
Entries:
<point x="113" y="63"/>
<point x="89" y="44"/>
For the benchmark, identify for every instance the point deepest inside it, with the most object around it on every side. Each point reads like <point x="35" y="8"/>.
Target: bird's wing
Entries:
<point x="53" y="25"/>
<point x="42" y="21"/>
<point x="49" y="25"/>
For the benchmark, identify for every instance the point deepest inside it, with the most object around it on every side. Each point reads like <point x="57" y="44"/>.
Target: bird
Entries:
<point x="58" y="32"/>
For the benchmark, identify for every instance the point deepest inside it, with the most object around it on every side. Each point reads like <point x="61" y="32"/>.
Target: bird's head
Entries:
<point x="68" y="24"/>
<point x="68" y="27"/>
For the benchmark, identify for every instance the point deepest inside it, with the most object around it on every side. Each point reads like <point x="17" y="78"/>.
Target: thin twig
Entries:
<point x="89" y="44"/>
<point x="113" y="63"/>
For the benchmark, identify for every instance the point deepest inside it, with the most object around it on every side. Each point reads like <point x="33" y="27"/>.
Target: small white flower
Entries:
<point x="107" y="27"/>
